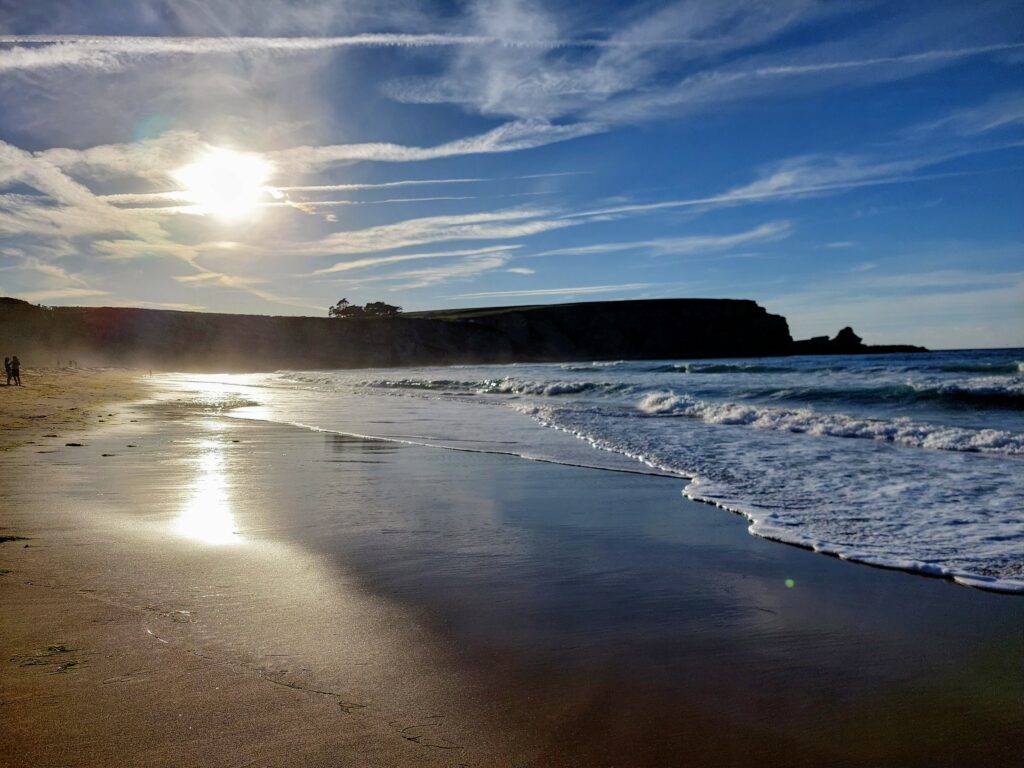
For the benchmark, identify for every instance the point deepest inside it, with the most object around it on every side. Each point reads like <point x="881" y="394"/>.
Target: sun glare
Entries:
<point x="206" y="515"/>
<point x="224" y="183"/>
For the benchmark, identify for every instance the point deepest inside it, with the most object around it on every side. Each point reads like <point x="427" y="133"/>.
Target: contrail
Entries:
<point x="109" y="51"/>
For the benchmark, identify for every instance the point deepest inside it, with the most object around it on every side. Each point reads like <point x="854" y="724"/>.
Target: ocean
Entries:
<point x="913" y="461"/>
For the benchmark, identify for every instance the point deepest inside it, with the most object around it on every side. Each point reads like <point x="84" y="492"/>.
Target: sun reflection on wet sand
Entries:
<point x="206" y="514"/>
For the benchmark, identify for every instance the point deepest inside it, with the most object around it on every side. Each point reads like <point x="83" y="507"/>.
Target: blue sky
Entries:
<point x="841" y="163"/>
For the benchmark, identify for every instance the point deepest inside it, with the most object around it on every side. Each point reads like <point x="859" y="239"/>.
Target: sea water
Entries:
<point x="906" y="461"/>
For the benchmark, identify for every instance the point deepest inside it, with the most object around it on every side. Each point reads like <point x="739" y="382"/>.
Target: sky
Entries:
<point x="842" y="163"/>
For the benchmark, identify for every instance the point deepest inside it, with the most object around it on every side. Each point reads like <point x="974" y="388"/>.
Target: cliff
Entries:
<point x="163" y="339"/>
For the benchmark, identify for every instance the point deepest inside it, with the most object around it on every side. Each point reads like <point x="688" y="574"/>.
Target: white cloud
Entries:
<point x="384" y="185"/>
<point x="777" y="77"/>
<point x="59" y="293"/>
<point x="154" y="159"/>
<point x="48" y="269"/>
<point x="578" y="290"/>
<point x="1002" y="111"/>
<point x="509" y="137"/>
<point x="530" y="81"/>
<point x="250" y="285"/>
<point x="110" y="53"/>
<point x="495" y="225"/>
<point x="677" y="246"/>
<point x="463" y="269"/>
<point x="346" y="266"/>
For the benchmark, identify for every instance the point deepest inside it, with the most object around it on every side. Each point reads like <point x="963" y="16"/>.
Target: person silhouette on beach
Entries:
<point x="7" y="370"/>
<point x="15" y="371"/>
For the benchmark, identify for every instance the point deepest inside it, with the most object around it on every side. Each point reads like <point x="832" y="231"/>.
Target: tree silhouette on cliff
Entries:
<point x="345" y="309"/>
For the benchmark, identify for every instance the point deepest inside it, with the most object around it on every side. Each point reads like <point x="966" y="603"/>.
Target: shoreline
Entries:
<point x="960" y="578"/>
<point x="388" y="604"/>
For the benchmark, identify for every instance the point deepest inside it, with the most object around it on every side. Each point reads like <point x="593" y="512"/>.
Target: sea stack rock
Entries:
<point x="846" y="341"/>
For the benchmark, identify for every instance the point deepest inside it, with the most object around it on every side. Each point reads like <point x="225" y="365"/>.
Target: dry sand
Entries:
<point x="61" y="400"/>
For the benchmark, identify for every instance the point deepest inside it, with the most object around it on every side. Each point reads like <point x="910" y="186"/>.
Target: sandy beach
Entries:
<point x="61" y="400"/>
<point x="190" y="588"/>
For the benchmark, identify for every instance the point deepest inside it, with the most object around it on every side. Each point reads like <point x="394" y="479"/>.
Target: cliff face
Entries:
<point x="664" y="328"/>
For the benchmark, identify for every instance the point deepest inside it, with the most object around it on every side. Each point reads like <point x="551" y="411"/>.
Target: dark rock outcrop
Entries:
<point x="846" y="342"/>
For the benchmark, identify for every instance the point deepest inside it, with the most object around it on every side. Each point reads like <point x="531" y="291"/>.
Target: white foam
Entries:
<point x="804" y="420"/>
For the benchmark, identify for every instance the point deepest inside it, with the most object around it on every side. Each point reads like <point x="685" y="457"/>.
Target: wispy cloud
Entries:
<point x="411" y="279"/>
<point x="720" y="58"/>
<point x="111" y="52"/>
<point x="347" y="266"/>
<point x="529" y="81"/>
<point x="60" y="293"/>
<point x="46" y="268"/>
<point x="509" y="137"/>
<point x="679" y="246"/>
<point x="717" y="86"/>
<point x="251" y="285"/>
<point x="1001" y="111"/>
<point x="577" y="290"/>
<point x="154" y="159"/>
<point x="495" y="225"/>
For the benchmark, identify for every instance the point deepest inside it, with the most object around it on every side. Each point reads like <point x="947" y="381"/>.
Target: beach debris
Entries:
<point x="74" y="445"/>
<point x="131" y="445"/>
<point x="50" y="435"/>
<point x="43" y="658"/>
<point x="108" y="454"/>
<point x="9" y="537"/>
<point x="419" y="734"/>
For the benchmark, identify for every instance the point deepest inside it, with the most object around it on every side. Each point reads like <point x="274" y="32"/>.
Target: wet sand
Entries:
<point x="229" y="593"/>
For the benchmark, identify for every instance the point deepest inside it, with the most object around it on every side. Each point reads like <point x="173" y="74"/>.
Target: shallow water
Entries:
<point x="908" y="461"/>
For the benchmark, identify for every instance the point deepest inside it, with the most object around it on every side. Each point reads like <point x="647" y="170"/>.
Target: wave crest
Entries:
<point x="504" y="386"/>
<point x="804" y="421"/>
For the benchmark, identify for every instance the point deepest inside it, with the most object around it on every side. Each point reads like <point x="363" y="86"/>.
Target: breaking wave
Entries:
<point x="502" y="386"/>
<point x="902" y="431"/>
<point x="721" y="368"/>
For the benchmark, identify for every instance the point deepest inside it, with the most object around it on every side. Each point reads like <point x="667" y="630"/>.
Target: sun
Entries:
<point x="225" y="183"/>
